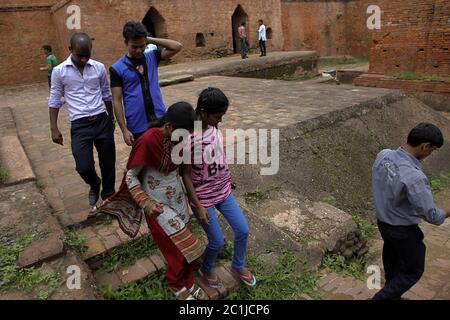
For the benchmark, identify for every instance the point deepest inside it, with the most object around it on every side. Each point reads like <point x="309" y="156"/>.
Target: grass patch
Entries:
<point x="41" y="283"/>
<point x="287" y="77"/>
<point x="254" y="197"/>
<point x="408" y="75"/>
<point x="278" y="282"/>
<point x="227" y="251"/>
<point x="107" y="219"/>
<point x="152" y="287"/>
<point x="338" y="264"/>
<point x="368" y="230"/>
<point x="439" y="78"/>
<point x="128" y="254"/>
<point x="304" y="241"/>
<point x="439" y="182"/>
<point x="75" y="240"/>
<point x="4" y="175"/>
<point x="330" y="200"/>
<point x="339" y="62"/>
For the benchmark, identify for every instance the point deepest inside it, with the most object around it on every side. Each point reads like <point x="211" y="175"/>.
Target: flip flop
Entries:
<point x="212" y="282"/>
<point x="249" y="280"/>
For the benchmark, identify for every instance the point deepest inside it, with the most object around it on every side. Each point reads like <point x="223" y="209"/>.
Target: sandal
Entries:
<point x="183" y="294"/>
<point x="197" y="293"/>
<point x="249" y="280"/>
<point x="212" y="282"/>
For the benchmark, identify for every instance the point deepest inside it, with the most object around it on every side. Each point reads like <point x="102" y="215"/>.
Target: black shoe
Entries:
<point x="94" y="194"/>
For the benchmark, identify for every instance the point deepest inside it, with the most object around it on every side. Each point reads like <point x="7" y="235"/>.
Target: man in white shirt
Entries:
<point x="262" y="38"/>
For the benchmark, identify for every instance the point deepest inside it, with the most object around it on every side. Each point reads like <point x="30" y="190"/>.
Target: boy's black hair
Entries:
<point x="426" y="133"/>
<point x="243" y="23"/>
<point x="180" y="115"/>
<point x="212" y="100"/>
<point x="134" y="30"/>
<point x="47" y="47"/>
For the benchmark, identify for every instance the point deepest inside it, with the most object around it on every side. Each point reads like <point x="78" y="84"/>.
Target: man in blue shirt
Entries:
<point x="403" y="198"/>
<point x="134" y="81"/>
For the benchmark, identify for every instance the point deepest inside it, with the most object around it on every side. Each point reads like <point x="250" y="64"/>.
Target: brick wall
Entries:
<point x="330" y="27"/>
<point x="411" y="86"/>
<point x="415" y="36"/>
<point x="23" y="32"/>
<point x="105" y="23"/>
<point x="314" y="25"/>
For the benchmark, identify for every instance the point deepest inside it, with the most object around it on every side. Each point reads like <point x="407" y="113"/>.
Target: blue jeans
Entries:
<point x="233" y="214"/>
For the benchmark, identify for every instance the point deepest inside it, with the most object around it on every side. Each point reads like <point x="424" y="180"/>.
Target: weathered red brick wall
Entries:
<point x="358" y="36"/>
<point x="330" y="27"/>
<point x="314" y="25"/>
<point x="411" y="86"/>
<point x="23" y="32"/>
<point x="415" y="36"/>
<point x="183" y="20"/>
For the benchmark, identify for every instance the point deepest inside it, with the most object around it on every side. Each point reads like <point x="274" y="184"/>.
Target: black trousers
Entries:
<point x="99" y="132"/>
<point x="403" y="259"/>
<point x="262" y="47"/>
<point x="244" y="48"/>
<point x="137" y="135"/>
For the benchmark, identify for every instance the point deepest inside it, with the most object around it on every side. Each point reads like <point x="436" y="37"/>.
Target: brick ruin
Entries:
<point x="415" y="35"/>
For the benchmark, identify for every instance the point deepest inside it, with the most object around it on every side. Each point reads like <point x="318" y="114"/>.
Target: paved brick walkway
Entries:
<point x="255" y="103"/>
<point x="434" y="284"/>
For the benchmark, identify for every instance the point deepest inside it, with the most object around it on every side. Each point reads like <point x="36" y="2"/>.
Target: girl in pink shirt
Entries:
<point x="208" y="182"/>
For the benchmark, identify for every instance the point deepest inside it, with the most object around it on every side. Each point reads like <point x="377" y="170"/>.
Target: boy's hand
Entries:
<point x="57" y="137"/>
<point x="203" y="215"/>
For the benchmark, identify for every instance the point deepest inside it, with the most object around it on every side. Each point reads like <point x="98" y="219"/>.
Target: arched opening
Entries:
<point x="155" y="23"/>
<point x="200" y="40"/>
<point x="238" y="17"/>
<point x="269" y="33"/>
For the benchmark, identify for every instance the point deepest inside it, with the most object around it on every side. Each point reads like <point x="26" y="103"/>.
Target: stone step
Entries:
<point x="139" y="270"/>
<point x="171" y="80"/>
<point x="147" y="266"/>
<point x="101" y="239"/>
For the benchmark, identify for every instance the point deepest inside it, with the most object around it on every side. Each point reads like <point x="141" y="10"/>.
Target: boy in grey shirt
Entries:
<point x="403" y="198"/>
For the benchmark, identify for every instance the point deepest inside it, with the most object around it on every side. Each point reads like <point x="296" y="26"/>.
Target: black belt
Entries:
<point x="90" y="118"/>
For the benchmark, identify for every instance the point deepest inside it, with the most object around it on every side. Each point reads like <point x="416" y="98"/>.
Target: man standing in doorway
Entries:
<point x="135" y="83"/>
<point x="262" y="38"/>
<point x="83" y="83"/>
<point x="403" y="198"/>
<point x="50" y="62"/>
<point x="244" y="41"/>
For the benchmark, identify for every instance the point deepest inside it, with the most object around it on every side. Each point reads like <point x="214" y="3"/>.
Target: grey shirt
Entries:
<point x="401" y="191"/>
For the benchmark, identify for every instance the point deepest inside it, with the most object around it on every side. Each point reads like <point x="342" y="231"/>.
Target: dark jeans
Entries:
<point x="99" y="132"/>
<point x="137" y="135"/>
<point x="244" y="48"/>
<point x="403" y="259"/>
<point x="49" y="81"/>
<point x="262" y="47"/>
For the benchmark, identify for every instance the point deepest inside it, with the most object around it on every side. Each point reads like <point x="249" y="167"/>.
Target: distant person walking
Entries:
<point x="50" y="62"/>
<point x="262" y="37"/>
<point x="244" y="41"/>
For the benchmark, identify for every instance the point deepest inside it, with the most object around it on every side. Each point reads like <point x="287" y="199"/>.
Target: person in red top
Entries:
<point x="244" y="41"/>
<point x="152" y="188"/>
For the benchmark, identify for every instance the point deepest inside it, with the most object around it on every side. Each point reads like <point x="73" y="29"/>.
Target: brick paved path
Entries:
<point x="252" y="106"/>
<point x="433" y="285"/>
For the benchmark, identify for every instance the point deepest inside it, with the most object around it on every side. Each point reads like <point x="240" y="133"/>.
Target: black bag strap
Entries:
<point x="146" y="94"/>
